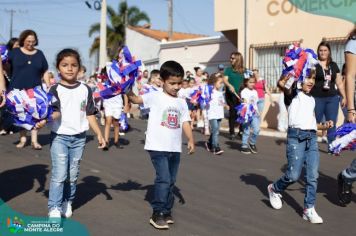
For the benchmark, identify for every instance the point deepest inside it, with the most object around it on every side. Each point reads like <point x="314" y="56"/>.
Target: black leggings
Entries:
<point x="232" y="102"/>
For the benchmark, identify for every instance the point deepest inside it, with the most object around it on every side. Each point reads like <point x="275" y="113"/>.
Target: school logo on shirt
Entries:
<point x="171" y="118"/>
<point x="83" y="105"/>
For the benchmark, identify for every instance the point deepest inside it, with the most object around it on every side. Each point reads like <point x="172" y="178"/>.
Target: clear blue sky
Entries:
<point x="65" y="23"/>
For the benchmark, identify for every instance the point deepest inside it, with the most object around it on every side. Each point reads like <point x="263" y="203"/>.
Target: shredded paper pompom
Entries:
<point x="345" y="138"/>
<point x="298" y="63"/>
<point x="122" y="74"/>
<point x="245" y="113"/>
<point x="29" y="106"/>
<point x="202" y="95"/>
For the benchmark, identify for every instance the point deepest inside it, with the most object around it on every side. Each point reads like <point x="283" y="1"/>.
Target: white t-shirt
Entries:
<point x="301" y="112"/>
<point x="114" y="102"/>
<point x="351" y="46"/>
<point x="250" y="97"/>
<point x="74" y="103"/>
<point x="216" y="105"/>
<point x="184" y="93"/>
<point x="166" y="117"/>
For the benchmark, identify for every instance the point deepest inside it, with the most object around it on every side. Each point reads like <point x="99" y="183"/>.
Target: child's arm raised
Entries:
<point x="189" y="134"/>
<point x="95" y="127"/>
<point x="134" y="98"/>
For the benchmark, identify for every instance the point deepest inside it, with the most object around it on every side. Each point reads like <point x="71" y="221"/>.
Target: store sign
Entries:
<point x="344" y="9"/>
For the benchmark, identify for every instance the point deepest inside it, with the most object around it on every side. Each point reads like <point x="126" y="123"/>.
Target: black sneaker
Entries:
<point x="208" y="146"/>
<point x="344" y="191"/>
<point x="253" y="148"/>
<point x="168" y="218"/>
<point x="245" y="150"/>
<point x="218" y="151"/>
<point x="158" y="221"/>
<point x="106" y="148"/>
<point x="118" y="145"/>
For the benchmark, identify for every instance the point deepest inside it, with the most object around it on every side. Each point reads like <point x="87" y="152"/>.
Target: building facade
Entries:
<point x="262" y="30"/>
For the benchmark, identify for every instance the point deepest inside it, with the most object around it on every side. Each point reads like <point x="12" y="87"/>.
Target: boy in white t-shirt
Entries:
<point x="168" y="116"/>
<point x="302" y="147"/>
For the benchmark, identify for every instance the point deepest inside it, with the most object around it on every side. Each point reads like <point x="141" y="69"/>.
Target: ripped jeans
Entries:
<point x="302" y="150"/>
<point x="66" y="154"/>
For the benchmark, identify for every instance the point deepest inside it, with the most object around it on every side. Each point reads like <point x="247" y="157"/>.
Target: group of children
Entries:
<point x="169" y="115"/>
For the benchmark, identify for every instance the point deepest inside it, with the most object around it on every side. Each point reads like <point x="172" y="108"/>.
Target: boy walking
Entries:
<point x="168" y="116"/>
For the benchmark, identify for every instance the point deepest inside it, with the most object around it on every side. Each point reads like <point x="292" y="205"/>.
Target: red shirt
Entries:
<point x="260" y="88"/>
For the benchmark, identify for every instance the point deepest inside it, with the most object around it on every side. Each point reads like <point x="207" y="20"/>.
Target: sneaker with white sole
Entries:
<point x="158" y="221"/>
<point x="54" y="215"/>
<point x="274" y="198"/>
<point x="310" y="215"/>
<point x="67" y="209"/>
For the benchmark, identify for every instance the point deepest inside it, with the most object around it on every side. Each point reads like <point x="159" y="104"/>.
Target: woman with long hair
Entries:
<point x="233" y="78"/>
<point x="325" y="93"/>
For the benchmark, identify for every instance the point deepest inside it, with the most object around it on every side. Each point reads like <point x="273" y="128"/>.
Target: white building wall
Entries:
<point x="207" y="52"/>
<point x="142" y="47"/>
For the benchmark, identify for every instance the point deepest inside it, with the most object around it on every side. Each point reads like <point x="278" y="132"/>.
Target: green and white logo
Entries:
<point x="343" y="9"/>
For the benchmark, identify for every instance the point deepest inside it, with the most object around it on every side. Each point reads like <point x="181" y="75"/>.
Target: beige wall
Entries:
<point x="271" y="21"/>
<point x="205" y="52"/>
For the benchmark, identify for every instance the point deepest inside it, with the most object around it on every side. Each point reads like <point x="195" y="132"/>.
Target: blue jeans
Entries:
<point x="350" y="172"/>
<point x="328" y="106"/>
<point x="255" y="125"/>
<point x="260" y="105"/>
<point x="166" y="165"/>
<point x="214" y="130"/>
<point x="302" y="148"/>
<point x="66" y="154"/>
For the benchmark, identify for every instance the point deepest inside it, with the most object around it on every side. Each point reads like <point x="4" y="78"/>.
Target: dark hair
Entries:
<point x="352" y="34"/>
<point x="154" y="72"/>
<point x="11" y="43"/>
<point x="196" y="69"/>
<point x="325" y="44"/>
<point x="68" y="52"/>
<point x="171" y="68"/>
<point x="24" y="34"/>
<point x="214" y="77"/>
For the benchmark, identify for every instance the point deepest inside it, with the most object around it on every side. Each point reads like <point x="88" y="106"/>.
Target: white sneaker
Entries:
<point x="274" y="198"/>
<point x="54" y="213"/>
<point x="67" y="209"/>
<point x="311" y="216"/>
<point x="200" y="124"/>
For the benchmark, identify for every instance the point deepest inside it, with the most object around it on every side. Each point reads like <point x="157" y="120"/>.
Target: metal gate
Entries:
<point x="267" y="58"/>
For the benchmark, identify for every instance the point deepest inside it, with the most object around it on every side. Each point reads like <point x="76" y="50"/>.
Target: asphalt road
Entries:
<point x="223" y="195"/>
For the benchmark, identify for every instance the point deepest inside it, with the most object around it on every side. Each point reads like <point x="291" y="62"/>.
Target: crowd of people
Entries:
<point x="175" y="101"/>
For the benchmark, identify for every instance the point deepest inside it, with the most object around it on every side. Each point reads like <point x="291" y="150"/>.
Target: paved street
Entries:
<point x="223" y="195"/>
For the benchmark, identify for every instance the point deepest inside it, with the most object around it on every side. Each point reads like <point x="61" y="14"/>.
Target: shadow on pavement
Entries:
<point x="261" y="183"/>
<point x="133" y="185"/>
<point x="18" y="181"/>
<point x="88" y="190"/>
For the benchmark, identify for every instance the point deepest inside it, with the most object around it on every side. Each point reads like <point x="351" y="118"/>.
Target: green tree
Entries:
<point x="116" y="27"/>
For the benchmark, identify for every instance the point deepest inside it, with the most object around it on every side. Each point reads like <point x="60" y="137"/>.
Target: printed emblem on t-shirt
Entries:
<point x="83" y="105"/>
<point x="171" y="118"/>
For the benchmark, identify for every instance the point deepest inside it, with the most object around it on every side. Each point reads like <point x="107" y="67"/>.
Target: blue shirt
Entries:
<point x="26" y="70"/>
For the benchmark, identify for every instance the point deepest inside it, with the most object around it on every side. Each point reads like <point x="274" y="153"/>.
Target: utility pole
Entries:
<point x="103" y="50"/>
<point x="126" y="21"/>
<point x="170" y="20"/>
<point x="11" y="20"/>
<point x="245" y="32"/>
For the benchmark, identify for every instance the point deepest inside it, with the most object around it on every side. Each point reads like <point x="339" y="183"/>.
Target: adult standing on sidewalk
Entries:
<point x="348" y="176"/>
<point x="28" y="65"/>
<point x="325" y="93"/>
<point x="233" y="78"/>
